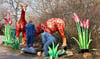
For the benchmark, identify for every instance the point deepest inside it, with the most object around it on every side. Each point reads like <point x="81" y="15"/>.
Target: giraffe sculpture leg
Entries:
<point x="23" y="38"/>
<point x="61" y="31"/>
<point x="17" y="34"/>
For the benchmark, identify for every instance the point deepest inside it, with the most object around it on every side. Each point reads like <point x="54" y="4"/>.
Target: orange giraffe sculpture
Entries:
<point x="20" y="26"/>
<point x="51" y="26"/>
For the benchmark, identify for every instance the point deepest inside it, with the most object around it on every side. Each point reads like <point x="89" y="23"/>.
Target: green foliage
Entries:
<point x="53" y="52"/>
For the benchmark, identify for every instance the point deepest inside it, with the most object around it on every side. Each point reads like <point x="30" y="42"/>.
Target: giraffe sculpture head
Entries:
<point x="23" y="7"/>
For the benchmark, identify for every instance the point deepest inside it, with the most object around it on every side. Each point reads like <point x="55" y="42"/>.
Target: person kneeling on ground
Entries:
<point x="47" y="40"/>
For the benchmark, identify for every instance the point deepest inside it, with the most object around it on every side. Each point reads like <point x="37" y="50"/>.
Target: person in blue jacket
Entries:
<point x="47" y="40"/>
<point x="30" y="31"/>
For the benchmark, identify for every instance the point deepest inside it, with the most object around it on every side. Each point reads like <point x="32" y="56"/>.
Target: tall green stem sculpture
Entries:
<point x="84" y="38"/>
<point x="8" y="40"/>
<point x="7" y="31"/>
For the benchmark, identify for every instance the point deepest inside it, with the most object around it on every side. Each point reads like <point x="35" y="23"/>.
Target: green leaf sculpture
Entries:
<point x="54" y="52"/>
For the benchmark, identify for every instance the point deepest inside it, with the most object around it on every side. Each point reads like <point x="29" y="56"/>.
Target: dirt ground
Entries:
<point x="8" y="53"/>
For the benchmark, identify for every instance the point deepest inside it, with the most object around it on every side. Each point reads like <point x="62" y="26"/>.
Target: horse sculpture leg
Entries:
<point x="61" y="31"/>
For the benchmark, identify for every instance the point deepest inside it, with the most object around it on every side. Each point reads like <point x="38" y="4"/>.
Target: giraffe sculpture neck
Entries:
<point x="22" y="15"/>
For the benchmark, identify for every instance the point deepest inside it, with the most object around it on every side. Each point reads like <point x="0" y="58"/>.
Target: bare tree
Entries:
<point x="43" y="7"/>
<point x="60" y="8"/>
<point x="3" y="13"/>
<point x="3" y="10"/>
<point x="46" y="9"/>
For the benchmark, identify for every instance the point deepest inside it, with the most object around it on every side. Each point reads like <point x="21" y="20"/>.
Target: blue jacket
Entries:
<point x="46" y="36"/>
<point x="30" y="29"/>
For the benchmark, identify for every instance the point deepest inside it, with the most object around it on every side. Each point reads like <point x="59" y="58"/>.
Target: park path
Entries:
<point x="8" y="53"/>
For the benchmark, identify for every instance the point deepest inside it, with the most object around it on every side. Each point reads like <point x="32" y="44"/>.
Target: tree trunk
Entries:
<point x="15" y="16"/>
